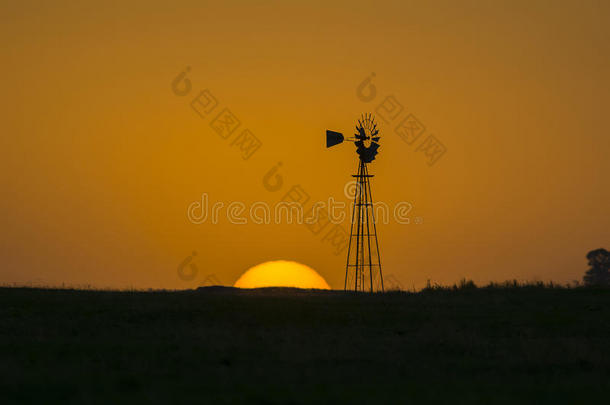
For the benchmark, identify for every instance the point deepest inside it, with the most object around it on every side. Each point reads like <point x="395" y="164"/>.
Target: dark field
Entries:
<point x="489" y="345"/>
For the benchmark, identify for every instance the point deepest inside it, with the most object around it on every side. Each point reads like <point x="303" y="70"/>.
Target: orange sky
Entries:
<point x="100" y="159"/>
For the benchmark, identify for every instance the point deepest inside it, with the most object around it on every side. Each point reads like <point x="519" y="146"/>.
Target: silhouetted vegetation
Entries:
<point x="599" y="271"/>
<point x="465" y="284"/>
<point x="503" y="343"/>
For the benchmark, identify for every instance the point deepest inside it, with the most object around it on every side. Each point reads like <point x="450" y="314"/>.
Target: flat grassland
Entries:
<point x="222" y="345"/>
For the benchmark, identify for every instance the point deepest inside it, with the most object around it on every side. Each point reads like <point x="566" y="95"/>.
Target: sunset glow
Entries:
<point x="281" y="273"/>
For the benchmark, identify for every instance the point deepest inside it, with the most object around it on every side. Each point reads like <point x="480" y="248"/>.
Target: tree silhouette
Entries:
<point x="599" y="273"/>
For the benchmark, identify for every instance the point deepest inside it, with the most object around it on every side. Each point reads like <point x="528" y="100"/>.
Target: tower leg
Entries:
<point x="375" y="233"/>
<point x="362" y="258"/>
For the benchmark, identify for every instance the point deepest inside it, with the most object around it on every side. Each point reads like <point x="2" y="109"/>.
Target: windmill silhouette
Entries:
<point x="363" y="267"/>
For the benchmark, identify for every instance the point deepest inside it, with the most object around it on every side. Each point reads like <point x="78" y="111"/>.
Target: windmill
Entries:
<point x="363" y="267"/>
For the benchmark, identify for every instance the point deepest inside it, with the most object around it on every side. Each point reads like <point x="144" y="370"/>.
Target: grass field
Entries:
<point x="221" y="345"/>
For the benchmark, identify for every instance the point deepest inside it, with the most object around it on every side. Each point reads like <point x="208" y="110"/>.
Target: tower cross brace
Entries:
<point x="363" y="267"/>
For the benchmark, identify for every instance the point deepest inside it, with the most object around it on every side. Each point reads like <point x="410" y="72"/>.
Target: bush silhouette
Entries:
<point x="599" y="273"/>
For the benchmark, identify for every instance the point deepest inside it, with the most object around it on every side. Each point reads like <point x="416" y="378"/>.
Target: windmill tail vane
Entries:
<point x="363" y="264"/>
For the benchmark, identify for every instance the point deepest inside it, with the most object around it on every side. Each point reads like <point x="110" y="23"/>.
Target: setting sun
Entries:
<point x="281" y="273"/>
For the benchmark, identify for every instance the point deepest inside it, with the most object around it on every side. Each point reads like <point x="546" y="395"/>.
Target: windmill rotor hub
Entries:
<point x="366" y="138"/>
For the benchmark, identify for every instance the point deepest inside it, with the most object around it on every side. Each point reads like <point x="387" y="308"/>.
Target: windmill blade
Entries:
<point x="361" y="132"/>
<point x="367" y="155"/>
